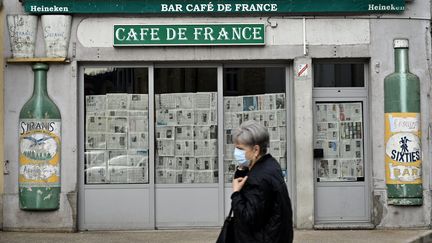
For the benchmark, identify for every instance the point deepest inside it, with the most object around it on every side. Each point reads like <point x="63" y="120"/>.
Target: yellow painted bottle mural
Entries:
<point x="39" y="148"/>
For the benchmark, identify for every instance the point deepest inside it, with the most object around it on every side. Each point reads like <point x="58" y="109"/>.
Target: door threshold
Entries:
<point x="344" y="226"/>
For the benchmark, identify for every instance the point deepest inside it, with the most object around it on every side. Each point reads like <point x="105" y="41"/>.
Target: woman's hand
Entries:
<point x="238" y="183"/>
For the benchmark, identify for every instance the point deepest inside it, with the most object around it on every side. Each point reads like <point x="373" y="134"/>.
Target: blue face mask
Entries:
<point x="240" y="157"/>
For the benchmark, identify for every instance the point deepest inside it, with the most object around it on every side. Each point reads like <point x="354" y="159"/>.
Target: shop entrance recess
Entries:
<point x="156" y="140"/>
<point x="341" y="143"/>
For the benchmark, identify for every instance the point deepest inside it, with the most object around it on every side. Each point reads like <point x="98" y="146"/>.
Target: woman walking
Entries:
<point x="260" y="200"/>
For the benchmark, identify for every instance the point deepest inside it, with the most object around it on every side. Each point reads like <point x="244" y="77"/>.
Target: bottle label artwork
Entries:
<point x="39" y="155"/>
<point x="403" y="148"/>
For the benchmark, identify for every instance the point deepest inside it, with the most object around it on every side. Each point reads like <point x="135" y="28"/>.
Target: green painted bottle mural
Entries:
<point x="39" y="148"/>
<point x="403" y="156"/>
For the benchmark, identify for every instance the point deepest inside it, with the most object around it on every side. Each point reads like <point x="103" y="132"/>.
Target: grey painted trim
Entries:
<point x="220" y="121"/>
<point x="152" y="145"/>
<point x="81" y="128"/>
<point x="291" y="163"/>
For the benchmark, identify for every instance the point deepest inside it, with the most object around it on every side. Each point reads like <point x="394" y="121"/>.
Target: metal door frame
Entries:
<point x="289" y="106"/>
<point x="81" y="146"/>
<point x="348" y="94"/>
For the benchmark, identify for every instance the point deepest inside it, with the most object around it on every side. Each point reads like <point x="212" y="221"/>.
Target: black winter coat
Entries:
<point x="262" y="208"/>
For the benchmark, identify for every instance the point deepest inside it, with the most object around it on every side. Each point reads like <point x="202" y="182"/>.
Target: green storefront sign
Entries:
<point x="224" y="7"/>
<point x="188" y="34"/>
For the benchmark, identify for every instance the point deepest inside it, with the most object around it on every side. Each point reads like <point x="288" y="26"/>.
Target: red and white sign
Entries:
<point x="302" y="70"/>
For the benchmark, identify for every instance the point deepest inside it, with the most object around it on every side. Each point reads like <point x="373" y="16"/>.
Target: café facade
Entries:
<point x="149" y="93"/>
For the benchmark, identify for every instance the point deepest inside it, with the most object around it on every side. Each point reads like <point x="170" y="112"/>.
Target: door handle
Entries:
<point x="318" y="153"/>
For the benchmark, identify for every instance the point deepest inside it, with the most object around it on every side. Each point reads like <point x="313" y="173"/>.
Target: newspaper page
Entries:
<point x="168" y="101"/>
<point x="138" y="102"/>
<point x="332" y="149"/>
<point x="165" y="132"/>
<point x="166" y="117"/>
<point x="95" y="103"/>
<point x="269" y="102"/>
<point x="213" y="117"/>
<point x="96" y="124"/>
<point x="283" y="133"/>
<point x="228" y="138"/>
<point x="164" y="163"/>
<point x="280" y="101"/>
<point x="138" y="123"/>
<point x="95" y="141"/>
<point x="359" y="168"/>
<point x="189" y="163"/>
<point x="250" y="103"/>
<point x="184" y="133"/>
<point x="229" y="152"/>
<point x="246" y="116"/>
<point x="161" y="176"/>
<point x="117" y="124"/>
<point x="138" y="141"/>
<point x="281" y="118"/>
<point x="165" y="147"/>
<point x="233" y="104"/>
<point x="351" y="130"/>
<point x="184" y="148"/>
<point x="138" y="167"/>
<point x="228" y="121"/>
<point x="185" y="117"/>
<point x="334" y="170"/>
<point x="203" y="101"/>
<point x="283" y="149"/>
<point x="275" y="149"/>
<point x="323" y="169"/>
<point x="202" y="132"/>
<point x="205" y="148"/>
<point x="202" y="117"/>
<point x="350" y="112"/>
<point x="348" y="170"/>
<point x="188" y="176"/>
<point x="116" y="140"/>
<point x="117" y="101"/>
<point x="204" y="176"/>
<point x="185" y="101"/>
<point x="96" y="166"/>
<point x="117" y="166"/>
<point x="270" y="119"/>
<point x="171" y="177"/>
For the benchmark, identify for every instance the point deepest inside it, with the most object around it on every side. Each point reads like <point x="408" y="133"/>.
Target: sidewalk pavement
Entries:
<point x="209" y="236"/>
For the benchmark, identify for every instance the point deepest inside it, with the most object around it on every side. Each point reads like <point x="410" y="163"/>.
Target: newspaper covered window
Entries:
<point x="339" y="133"/>
<point x="255" y="94"/>
<point x="116" y="125"/>
<point x="186" y="125"/>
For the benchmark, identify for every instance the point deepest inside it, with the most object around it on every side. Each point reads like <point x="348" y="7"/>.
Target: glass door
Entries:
<point x="186" y="163"/>
<point x="342" y="190"/>
<point x="114" y="186"/>
<point x="254" y="93"/>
